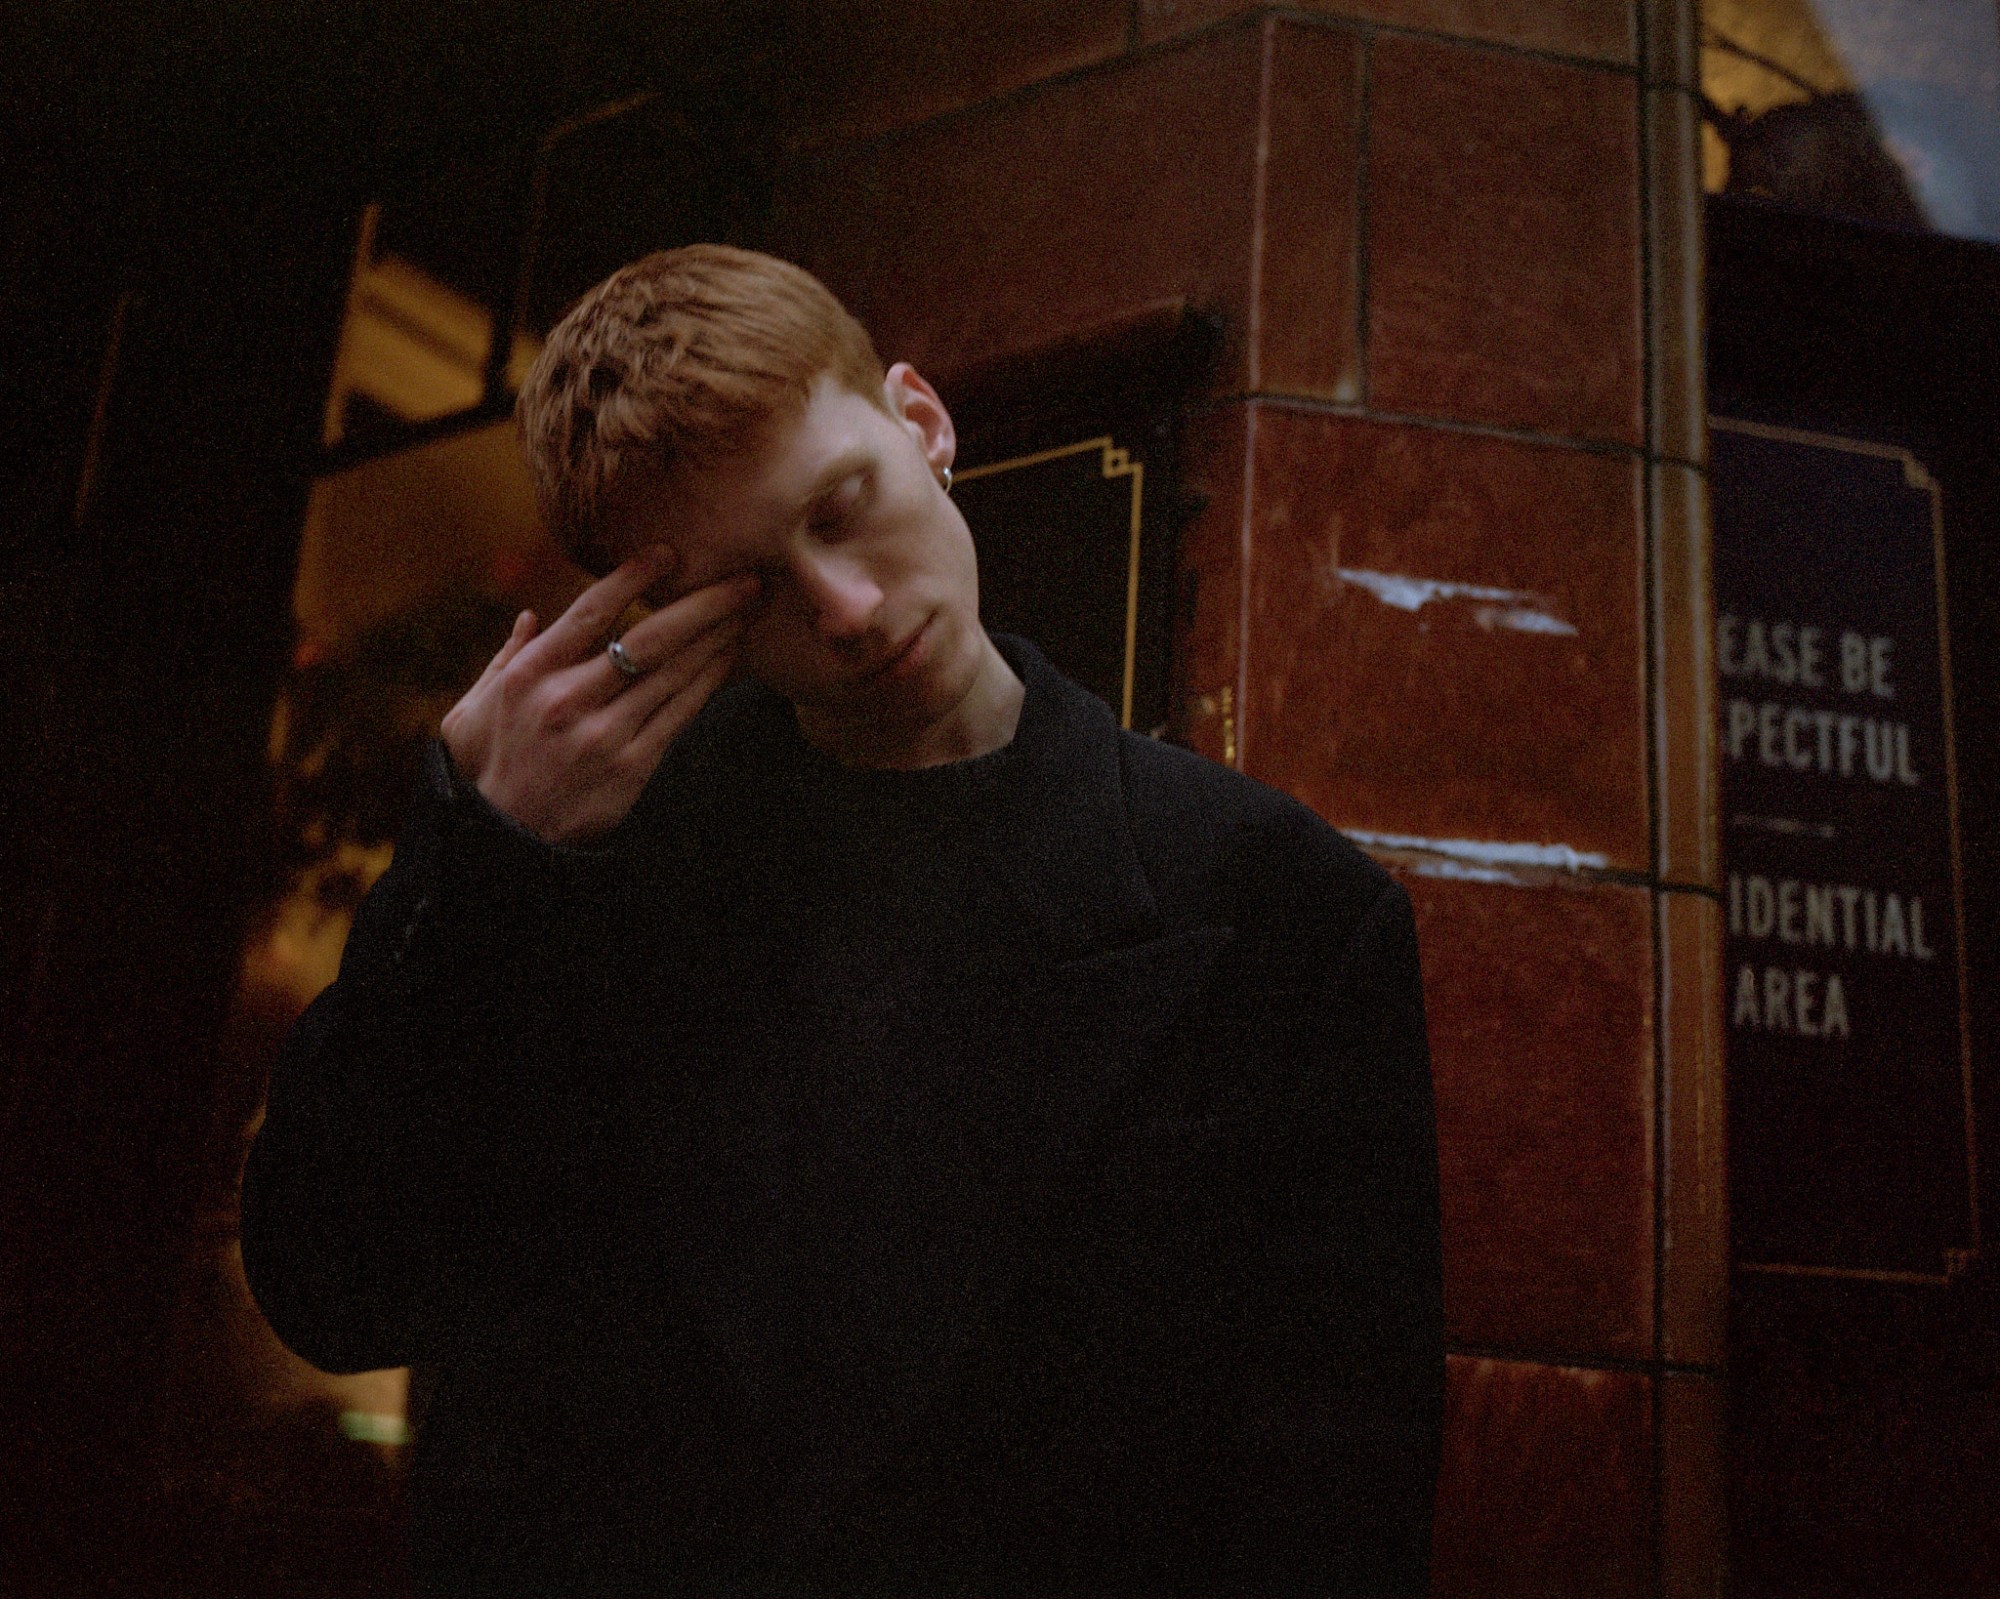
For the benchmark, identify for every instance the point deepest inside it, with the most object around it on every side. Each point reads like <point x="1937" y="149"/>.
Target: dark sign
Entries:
<point x="1064" y="558"/>
<point x="1848" y="1068"/>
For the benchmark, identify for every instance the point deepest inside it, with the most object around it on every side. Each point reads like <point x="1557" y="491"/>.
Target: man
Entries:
<point x="873" y="1128"/>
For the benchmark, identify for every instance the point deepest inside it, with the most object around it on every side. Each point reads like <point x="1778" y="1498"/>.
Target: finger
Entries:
<point x="525" y="628"/>
<point x="522" y="630"/>
<point x="655" y="643"/>
<point x="646" y="694"/>
<point x="591" y="616"/>
<point x="658" y="637"/>
<point x="666" y="723"/>
<point x="592" y="687"/>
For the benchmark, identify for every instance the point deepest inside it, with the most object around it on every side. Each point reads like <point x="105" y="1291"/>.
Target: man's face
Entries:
<point x="869" y="612"/>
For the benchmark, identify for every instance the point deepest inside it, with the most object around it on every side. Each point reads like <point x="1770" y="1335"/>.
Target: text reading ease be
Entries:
<point x="1794" y="652"/>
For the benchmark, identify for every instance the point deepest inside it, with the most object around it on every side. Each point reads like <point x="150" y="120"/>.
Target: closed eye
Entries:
<point x="835" y="510"/>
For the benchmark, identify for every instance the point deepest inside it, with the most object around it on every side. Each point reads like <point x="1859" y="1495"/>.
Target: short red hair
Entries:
<point x="683" y="357"/>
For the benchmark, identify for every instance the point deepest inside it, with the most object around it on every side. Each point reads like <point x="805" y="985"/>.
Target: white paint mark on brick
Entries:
<point x="1490" y="855"/>
<point x="1516" y="610"/>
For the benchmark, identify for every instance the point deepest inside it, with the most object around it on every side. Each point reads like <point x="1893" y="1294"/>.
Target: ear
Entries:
<point x="915" y="404"/>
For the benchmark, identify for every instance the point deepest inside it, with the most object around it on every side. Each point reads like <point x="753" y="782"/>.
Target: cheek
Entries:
<point x="958" y="567"/>
<point x="764" y="643"/>
<point x="779" y="650"/>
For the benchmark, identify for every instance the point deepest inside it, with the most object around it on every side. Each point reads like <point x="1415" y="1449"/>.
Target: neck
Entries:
<point x="982" y="719"/>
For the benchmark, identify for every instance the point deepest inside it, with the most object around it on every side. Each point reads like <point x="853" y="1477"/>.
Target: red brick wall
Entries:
<point x="1452" y="573"/>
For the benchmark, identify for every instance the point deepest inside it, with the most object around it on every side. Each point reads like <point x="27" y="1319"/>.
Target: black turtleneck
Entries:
<point x="994" y="855"/>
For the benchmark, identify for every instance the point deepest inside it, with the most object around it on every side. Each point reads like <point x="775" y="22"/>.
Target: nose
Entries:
<point x="841" y="596"/>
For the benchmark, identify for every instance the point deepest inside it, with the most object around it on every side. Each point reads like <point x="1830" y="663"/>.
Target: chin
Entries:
<point x="955" y="659"/>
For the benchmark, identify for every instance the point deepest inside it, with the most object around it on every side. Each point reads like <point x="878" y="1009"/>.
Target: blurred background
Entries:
<point x="1552" y="438"/>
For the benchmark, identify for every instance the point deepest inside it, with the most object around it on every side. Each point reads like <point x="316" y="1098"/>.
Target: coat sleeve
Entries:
<point x="1291" y="1249"/>
<point x="1327" y="1452"/>
<point x="398" y="1137"/>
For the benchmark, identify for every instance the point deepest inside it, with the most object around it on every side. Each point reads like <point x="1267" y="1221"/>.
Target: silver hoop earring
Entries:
<point x="947" y="480"/>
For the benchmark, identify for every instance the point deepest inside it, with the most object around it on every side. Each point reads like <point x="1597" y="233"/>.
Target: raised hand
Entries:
<point x="556" y="735"/>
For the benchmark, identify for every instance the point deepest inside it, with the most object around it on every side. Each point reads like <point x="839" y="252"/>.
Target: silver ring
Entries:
<point x="622" y="659"/>
<point x="947" y="480"/>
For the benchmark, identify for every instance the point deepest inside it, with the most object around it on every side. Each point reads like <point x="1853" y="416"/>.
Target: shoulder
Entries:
<point x="1219" y="846"/>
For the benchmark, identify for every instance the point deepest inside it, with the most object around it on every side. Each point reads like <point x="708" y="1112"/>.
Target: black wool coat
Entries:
<point x="1079" y="1237"/>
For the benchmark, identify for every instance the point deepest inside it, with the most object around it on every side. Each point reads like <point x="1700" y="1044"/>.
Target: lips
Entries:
<point x="901" y="653"/>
